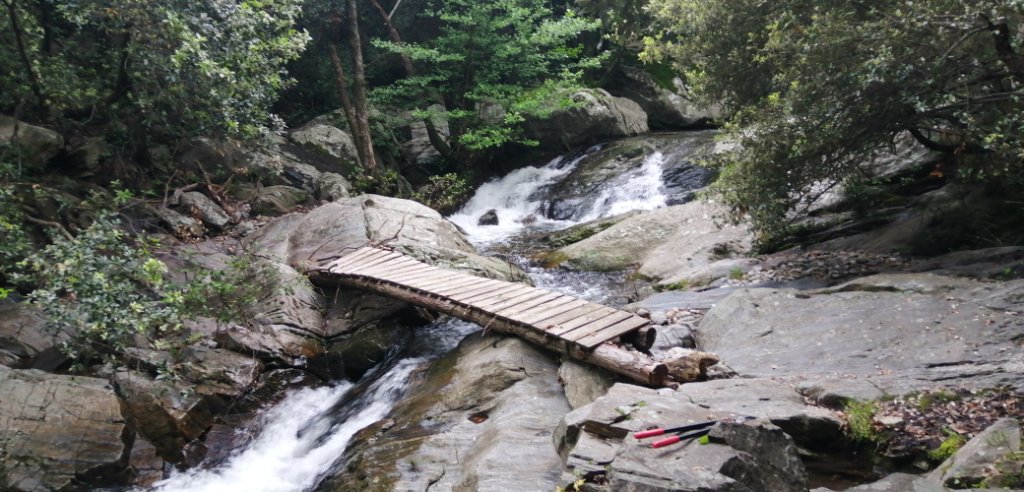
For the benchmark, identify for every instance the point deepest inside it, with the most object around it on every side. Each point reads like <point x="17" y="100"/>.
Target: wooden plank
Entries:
<point x="536" y="317"/>
<point x="422" y="276"/>
<point x="563" y="325"/>
<point x="402" y="263"/>
<point x="550" y="300"/>
<point x="576" y="330"/>
<point x="375" y="262"/>
<point x="469" y="297"/>
<point x="397" y="271"/>
<point x="498" y="295"/>
<point x="352" y="259"/>
<point x="449" y="283"/>
<point x="494" y="307"/>
<point x="441" y="285"/>
<point x="594" y="339"/>
<point x="451" y="290"/>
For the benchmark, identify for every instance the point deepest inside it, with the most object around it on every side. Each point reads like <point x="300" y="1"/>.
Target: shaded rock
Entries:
<point x="272" y="385"/>
<point x="595" y="441"/>
<point x="465" y="423"/>
<point x="597" y="116"/>
<point x="35" y="145"/>
<point x="326" y="139"/>
<point x="205" y="209"/>
<point x="886" y="334"/>
<point x="977" y="462"/>
<point x="333" y="186"/>
<point x="220" y="372"/>
<point x="583" y="383"/>
<point x="489" y="218"/>
<point x="179" y="225"/>
<point x="272" y="200"/>
<point x="59" y="432"/>
<point x="146" y="464"/>
<point x="24" y="334"/>
<point x="165" y="414"/>
<point x="270" y="343"/>
<point x="667" y="109"/>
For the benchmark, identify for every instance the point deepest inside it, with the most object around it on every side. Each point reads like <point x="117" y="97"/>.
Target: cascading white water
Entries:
<point x="518" y="198"/>
<point x="298" y="442"/>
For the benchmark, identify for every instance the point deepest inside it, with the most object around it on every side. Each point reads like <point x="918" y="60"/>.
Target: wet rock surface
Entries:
<point x="465" y="427"/>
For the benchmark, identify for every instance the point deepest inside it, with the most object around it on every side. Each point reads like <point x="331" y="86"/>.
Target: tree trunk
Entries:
<point x="33" y="77"/>
<point x="395" y="37"/>
<point x="359" y="102"/>
<point x="341" y="81"/>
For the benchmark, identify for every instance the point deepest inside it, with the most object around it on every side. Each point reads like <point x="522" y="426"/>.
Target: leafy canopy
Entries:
<point x="817" y="88"/>
<point x="179" y="66"/>
<point x="492" y="64"/>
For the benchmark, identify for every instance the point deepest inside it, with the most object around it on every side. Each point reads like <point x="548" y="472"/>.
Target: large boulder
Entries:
<point x="875" y="336"/>
<point x="466" y="426"/>
<point x="328" y="140"/>
<point x="60" y="432"/>
<point x="991" y="458"/>
<point x="205" y="209"/>
<point x="595" y="116"/>
<point x="679" y="244"/>
<point x="167" y="414"/>
<point x="668" y="106"/>
<point x="338" y="228"/>
<point x="35" y="145"/>
<point x="596" y="443"/>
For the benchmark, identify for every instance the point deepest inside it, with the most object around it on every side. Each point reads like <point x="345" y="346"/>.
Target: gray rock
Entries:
<point x="595" y="440"/>
<point x="35" y="145"/>
<point x="671" y="244"/>
<point x="333" y="186"/>
<point x="202" y="207"/>
<point x="272" y="200"/>
<point x="598" y="116"/>
<point x="60" y="432"/>
<point x="883" y="334"/>
<point x="466" y="427"/>
<point x="583" y="383"/>
<point x="811" y="427"/>
<point x="166" y="414"/>
<point x="146" y="464"/>
<point x="489" y="218"/>
<point x="977" y="462"/>
<point x="24" y="334"/>
<point x="219" y="372"/>
<point x="180" y="225"/>
<point x="328" y="140"/>
<point x="900" y="482"/>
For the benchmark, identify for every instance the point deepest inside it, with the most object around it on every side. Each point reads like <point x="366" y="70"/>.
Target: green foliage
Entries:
<point x="493" y="64"/>
<point x="816" y="89"/>
<point x="948" y="448"/>
<point x="103" y="290"/>
<point x="182" y="67"/>
<point x="860" y="421"/>
<point x="444" y="192"/>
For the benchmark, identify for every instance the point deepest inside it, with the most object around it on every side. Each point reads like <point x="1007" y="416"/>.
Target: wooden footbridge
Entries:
<point x="557" y="321"/>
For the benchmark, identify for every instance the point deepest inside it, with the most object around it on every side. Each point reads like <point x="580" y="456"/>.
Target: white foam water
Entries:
<point x="283" y="458"/>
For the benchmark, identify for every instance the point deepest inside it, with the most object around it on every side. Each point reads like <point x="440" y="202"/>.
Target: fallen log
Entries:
<point x="636" y="366"/>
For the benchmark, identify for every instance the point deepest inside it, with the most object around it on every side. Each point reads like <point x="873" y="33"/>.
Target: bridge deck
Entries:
<point x="553" y="314"/>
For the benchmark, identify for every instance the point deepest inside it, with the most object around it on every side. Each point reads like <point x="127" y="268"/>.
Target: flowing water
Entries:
<point x="301" y="438"/>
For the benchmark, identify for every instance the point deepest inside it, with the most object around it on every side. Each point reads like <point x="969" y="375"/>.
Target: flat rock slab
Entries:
<point x="886" y="334"/>
<point x="59" y="431"/>
<point x="596" y="440"/>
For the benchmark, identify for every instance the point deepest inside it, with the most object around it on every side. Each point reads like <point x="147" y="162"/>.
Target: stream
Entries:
<point x="296" y="442"/>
